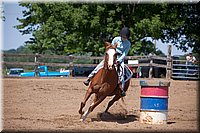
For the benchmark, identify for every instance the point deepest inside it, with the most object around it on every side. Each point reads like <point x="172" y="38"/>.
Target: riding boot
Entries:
<point x="87" y="82"/>
<point x="123" y="92"/>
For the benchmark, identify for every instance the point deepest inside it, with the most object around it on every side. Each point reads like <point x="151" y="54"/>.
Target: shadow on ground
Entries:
<point x="117" y="117"/>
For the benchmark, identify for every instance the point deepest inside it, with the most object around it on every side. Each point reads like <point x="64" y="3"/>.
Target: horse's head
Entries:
<point x="111" y="55"/>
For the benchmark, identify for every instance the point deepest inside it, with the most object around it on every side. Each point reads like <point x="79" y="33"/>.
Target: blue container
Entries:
<point x="154" y="104"/>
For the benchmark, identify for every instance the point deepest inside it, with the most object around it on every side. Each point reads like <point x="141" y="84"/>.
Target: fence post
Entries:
<point x="36" y="65"/>
<point x="151" y="68"/>
<point x="169" y="62"/>
<point x="71" y="65"/>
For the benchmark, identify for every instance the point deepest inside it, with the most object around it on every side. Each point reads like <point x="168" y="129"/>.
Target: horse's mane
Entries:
<point x="108" y="45"/>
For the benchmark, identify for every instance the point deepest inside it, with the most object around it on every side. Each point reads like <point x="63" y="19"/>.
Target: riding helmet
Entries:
<point x="125" y="32"/>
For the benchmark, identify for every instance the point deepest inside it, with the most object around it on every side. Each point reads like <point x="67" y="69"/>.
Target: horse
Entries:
<point x="104" y="83"/>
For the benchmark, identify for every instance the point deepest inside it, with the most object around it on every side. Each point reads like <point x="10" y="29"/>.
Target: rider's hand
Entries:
<point x="118" y="62"/>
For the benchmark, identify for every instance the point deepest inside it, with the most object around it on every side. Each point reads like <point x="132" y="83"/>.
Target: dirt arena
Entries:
<point x="52" y="104"/>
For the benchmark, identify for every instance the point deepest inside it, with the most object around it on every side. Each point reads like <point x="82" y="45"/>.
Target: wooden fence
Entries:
<point x="71" y="61"/>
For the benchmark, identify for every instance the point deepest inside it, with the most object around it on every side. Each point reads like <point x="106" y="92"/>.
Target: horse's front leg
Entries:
<point x="92" y="106"/>
<point x="87" y="95"/>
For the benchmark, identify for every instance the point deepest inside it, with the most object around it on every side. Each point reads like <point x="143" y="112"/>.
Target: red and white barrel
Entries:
<point x="154" y="102"/>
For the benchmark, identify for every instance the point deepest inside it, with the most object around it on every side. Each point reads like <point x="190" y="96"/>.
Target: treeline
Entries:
<point x="78" y="28"/>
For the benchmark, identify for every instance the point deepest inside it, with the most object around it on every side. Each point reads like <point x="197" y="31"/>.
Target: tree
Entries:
<point x="181" y="26"/>
<point x="2" y="17"/>
<point x="21" y="49"/>
<point x="67" y="28"/>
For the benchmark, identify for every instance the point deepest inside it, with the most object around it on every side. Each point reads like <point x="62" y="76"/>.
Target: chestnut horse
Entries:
<point x="104" y="83"/>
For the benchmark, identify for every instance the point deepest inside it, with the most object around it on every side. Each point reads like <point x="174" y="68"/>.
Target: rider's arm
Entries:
<point x="116" y="39"/>
<point x="124" y="53"/>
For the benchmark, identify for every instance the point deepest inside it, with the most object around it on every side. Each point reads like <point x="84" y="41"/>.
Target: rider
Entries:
<point x="122" y="50"/>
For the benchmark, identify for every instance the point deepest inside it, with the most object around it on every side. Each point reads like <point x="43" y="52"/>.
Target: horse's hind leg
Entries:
<point x="87" y="95"/>
<point x="116" y="98"/>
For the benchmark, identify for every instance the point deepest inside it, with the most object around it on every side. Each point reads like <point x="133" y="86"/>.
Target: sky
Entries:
<point x="12" y="38"/>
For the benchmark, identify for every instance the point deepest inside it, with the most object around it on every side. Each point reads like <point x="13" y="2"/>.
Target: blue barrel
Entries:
<point x="154" y="102"/>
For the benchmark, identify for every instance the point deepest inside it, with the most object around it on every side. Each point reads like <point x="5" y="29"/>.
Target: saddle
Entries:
<point x="127" y="72"/>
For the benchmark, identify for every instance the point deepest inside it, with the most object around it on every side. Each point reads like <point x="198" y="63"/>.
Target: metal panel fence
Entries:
<point x="180" y="70"/>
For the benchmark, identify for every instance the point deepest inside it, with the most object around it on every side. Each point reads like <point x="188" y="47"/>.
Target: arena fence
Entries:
<point x="71" y="62"/>
<point x="181" y="70"/>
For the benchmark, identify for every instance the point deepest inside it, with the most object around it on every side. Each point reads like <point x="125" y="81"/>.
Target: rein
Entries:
<point x="119" y="66"/>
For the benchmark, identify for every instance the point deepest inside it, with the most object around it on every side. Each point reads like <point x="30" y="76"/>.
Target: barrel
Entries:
<point x="154" y="102"/>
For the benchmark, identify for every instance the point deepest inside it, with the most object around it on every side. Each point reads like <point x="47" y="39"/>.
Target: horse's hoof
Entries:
<point x="105" y="112"/>
<point x="81" y="112"/>
<point x="82" y="119"/>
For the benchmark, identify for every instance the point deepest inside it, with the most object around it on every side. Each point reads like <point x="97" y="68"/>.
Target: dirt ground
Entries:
<point x="52" y="104"/>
